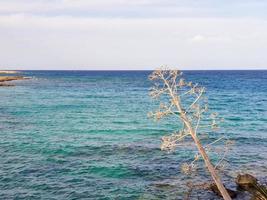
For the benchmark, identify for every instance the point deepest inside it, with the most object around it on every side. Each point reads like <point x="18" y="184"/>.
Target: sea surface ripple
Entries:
<point x="86" y="135"/>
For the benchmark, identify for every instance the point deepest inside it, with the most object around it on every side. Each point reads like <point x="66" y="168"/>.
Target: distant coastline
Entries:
<point x="9" y="72"/>
<point x="4" y="79"/>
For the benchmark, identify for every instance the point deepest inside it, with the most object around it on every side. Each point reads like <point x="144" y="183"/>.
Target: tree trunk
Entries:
<point x="201" y="150"/>
<point x="211" y="169"/>
<point x="208" y="164"/>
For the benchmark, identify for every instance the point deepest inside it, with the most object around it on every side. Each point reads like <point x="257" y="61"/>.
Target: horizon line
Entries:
<point x="131" y="69"/>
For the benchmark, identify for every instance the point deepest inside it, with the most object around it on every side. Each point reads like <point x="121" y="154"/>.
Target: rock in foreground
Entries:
<point x="249" y="183"/>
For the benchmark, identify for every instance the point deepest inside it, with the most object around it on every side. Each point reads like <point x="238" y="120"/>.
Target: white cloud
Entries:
<point x="132" y="34"/>
<point x="219" y="38"/>
<point x="90" y="43"/>
<point x="197" y="38"/>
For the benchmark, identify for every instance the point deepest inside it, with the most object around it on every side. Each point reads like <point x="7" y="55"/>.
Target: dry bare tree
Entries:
<point x="186" y="101"/>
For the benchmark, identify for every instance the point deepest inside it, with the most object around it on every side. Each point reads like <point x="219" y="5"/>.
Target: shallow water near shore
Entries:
<point x="86" y="135"/>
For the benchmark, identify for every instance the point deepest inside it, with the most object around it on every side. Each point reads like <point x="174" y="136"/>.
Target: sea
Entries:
<point x="86" y="135"/>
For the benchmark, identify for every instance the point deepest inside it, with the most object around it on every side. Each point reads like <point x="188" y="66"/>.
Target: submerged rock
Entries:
<point x="214" y="188"/>
<point x="6" y="85"/>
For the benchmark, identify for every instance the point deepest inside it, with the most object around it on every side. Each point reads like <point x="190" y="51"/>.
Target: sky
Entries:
<point x="133" y="34"/>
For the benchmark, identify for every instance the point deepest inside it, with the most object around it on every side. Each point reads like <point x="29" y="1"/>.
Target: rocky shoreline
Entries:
<point x="246" y="187"/>
<point x="11" y="78"/>
<point x="9" y="72"/>
<point x="5" y="79"/>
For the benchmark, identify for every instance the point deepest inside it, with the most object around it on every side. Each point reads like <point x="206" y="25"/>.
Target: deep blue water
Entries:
<point x="86" y="135"/>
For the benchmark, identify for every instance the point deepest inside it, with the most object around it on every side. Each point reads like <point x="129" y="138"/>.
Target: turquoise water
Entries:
<point x="86" y="135"/>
